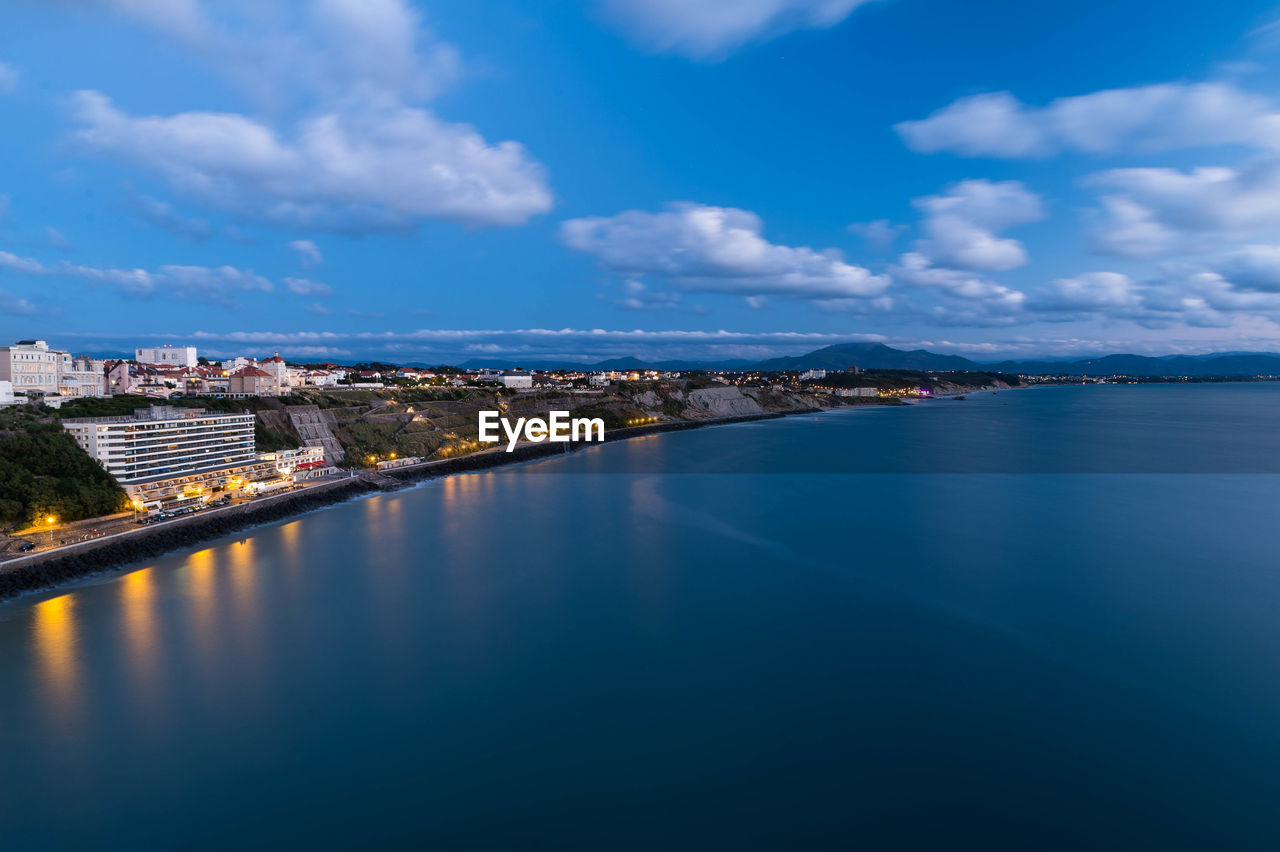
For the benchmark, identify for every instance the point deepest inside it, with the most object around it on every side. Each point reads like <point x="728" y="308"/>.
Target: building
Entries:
<point x="169" y="356"/>
<point x="303" y="462"/>
<point x="276" y="367"/>
<point x="31" y="367"/>
<point x="320" y="378"/>
<point x="250" y="381"/>
<point x="162" y="452"/>
<point x="82" y="377"/>
<point x="35" y="370"/>
<point x="516" y="379"/>
<point x="238" y="363"/>
<point x="6" y="393"/>
<point x="813" y="374"/>
<point x="857" y="392"/>
<point x="392" y="464"/>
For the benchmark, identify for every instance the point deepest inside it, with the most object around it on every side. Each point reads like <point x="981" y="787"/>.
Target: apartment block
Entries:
<point x="163" y="451"/>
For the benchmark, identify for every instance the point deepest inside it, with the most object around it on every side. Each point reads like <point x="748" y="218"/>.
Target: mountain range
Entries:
<point x="877" y="356"/>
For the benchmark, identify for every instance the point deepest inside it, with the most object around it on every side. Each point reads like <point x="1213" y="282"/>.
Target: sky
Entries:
<point x="578" y="179"/>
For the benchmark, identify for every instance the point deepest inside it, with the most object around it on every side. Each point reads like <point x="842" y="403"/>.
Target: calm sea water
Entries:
<point x="1032" y="619"/>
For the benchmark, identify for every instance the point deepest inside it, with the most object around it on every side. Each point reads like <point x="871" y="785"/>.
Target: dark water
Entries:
<point x="636" y="647"/>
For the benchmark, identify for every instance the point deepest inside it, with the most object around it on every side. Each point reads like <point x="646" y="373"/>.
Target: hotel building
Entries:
<point x="162" y="452"/>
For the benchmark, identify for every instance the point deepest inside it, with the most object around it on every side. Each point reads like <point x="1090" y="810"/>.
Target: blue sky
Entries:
<point x="664" y="178"/>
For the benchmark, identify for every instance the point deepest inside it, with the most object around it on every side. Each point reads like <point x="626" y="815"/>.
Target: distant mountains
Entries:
<point x="869" y="356"/>
<point x="1256" y="364"/>
<point x="877" y="356"/>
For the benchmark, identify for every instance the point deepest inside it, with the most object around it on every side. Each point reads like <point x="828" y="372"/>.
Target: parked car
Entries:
<point x="27" y="548"/>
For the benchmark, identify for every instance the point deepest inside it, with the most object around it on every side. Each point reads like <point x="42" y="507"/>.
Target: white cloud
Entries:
<point x="356" y="50"/>
<point x="1125" y="228"/>
<point x="213" y="284"/>
<point x="1091" y="291"/>
<point x="878" y="235"/>
<point x="24" y="265"/>
<point x="307" y="287"/>
<point x="709" y="29"/>
<point x="716" y="249"/>
<point x="1253" y="268"/>
<point x="1142" y="118"/>
<point x="962" y="224"/>
<point x="350" y="146"/>
<point x="639" y="297"/>
<point x="8" y="78"/>
<point x="917" y="270"/>
<point x="1160" y="211"/>
<point x="308" y="253"/>
<point x="339" y="171"/>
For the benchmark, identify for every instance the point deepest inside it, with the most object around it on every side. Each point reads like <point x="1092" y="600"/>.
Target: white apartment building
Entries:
<point x="169" y="356"/>
<point x="813" y="374"/>
<point x="31" y="366"/>
<point x="6" y="393"/>
<point x="516" y="379"/>
<point x="163" y="450"/>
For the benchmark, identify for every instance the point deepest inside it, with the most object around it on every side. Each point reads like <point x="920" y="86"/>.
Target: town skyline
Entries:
<point x="428" y="184"/>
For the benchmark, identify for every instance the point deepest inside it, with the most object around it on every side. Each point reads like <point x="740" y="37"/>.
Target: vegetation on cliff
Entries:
<point x="44" y="472"/>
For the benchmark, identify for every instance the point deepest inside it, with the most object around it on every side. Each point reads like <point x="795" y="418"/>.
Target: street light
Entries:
<point x="50" y="520"/>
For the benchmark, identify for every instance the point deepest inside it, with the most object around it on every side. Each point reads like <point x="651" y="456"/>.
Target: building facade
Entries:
<point x="250" y="381"/>
<point x="169" y="356"/>
<point x="31" y="367"/>
<point x="35" y="370"/>
<point x="163" y="451"/>
<point x="516" y="379"/>
<point x="82" y="377"/>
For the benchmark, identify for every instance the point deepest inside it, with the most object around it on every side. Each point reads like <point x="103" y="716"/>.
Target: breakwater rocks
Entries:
<point x="47" y="570"/>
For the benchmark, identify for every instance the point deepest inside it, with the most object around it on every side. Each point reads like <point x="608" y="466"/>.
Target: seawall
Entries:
<point x="52" y="568"/>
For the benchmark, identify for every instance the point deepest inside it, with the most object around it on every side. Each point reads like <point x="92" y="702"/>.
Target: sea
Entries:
<point x="1031" y="619"/>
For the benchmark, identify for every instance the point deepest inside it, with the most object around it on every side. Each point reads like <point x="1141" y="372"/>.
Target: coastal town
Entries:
<point x="171" y="433"/>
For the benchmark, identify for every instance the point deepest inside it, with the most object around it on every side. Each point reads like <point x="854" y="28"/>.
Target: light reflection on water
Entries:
<point x="143" y="644"/>
<point x="506" y="655"/>
<point x="53" y="636"/>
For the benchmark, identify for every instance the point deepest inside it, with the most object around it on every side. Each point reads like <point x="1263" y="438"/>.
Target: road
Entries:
<point x="78" y="531"/>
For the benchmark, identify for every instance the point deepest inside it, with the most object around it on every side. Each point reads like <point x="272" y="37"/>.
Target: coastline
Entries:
<point x="51" y="570"/>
